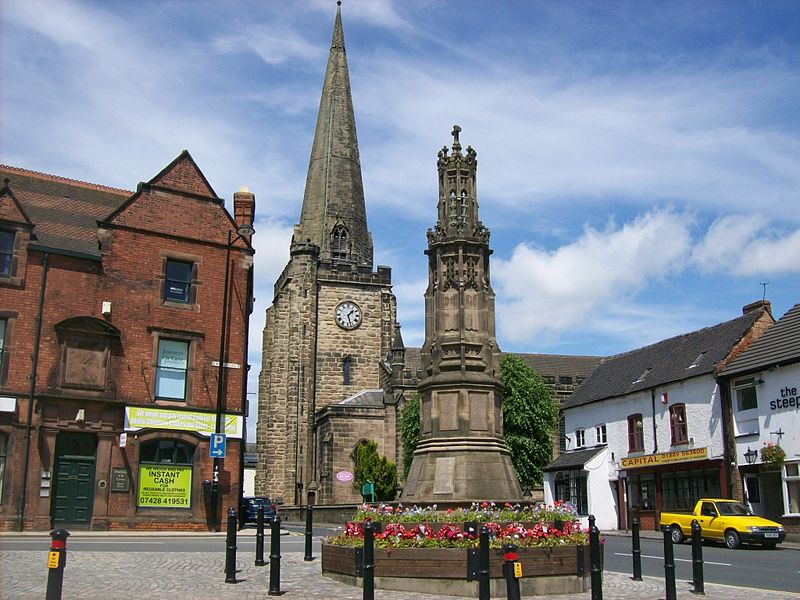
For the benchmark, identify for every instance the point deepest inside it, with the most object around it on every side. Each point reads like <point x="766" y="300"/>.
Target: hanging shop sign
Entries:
<point x="165" y="486"/>
<point x="139" y="417"/>
<point x="636" y="462"/>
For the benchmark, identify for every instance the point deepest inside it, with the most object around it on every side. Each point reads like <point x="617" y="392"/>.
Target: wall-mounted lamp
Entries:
<point x="750" y="456"/>
<point x="759" y="381"/>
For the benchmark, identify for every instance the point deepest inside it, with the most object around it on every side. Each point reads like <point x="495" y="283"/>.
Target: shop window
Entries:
<point x="792" y="475"/>
<point x="635" y="433"/>
<point x="172" y="369"/>
<point x="677" y="424"/>
<point x="571" y="488"/>
<point x="682" y="489"/>
<point x="600" y="434"/>
<point x="3" y="449"/>
<point x="165" y="474"/>
<point x="745" y="405"/>
<point x="339" y="243"/>
<point x="580" y="438"/>
<point x="178" y="276"/>
<point x="346" y="363"/>
<point x="6" y="252"/>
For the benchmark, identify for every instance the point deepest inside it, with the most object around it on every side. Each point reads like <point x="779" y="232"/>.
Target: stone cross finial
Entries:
<point x="454" y="133"/>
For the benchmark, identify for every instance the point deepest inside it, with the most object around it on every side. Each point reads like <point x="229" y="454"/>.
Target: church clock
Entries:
<point x="348" y="315"/>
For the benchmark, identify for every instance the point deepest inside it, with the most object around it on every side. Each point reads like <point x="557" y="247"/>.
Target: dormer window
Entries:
<point x="339" y="244"/>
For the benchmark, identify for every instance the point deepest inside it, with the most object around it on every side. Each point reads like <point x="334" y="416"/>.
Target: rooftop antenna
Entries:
<point x="764" y="284"/>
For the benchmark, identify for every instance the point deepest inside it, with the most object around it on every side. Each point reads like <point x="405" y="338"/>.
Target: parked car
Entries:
<point x="248" y="510"/>
<point x="726" y="521"/>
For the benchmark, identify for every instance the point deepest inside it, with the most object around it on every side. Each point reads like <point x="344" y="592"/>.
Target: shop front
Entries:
<point x="669" y="481"/>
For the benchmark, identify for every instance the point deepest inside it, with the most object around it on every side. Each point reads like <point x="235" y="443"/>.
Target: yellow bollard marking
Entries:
<point x="52" y="560"/>
<point x="517" y="570"/>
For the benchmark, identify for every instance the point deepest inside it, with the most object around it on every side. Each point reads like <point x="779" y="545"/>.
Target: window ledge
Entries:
<point x="191" y="306"/>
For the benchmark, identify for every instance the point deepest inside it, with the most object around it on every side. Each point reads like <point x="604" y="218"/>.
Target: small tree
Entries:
<point x="530" y="416"/>
<point x="378" y="469"/>
<point x="409" y="430"/>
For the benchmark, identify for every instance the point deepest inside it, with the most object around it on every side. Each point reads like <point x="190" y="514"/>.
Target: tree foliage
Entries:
<point x="530" y="416"/>
<point x="409" y="430"/>
<point x="378" y="469"/>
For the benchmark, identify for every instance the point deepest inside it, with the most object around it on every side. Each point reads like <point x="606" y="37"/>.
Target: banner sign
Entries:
<point x="165" y="486"/>
<point x="139" y="417"/>
<point x="664" y="458"/>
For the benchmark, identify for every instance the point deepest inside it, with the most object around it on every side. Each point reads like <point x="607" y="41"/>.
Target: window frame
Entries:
<point x="186" y="370"/>
<point x="572" y="487"/>
<point x="679" y="431"/>
<point x="340" y="243"/>
<point x="347" y="365"/>
<point x="191" y="451"/>
<point x="580" y="438"/>
<point x="635" y="433"/>
<point x="189" y="296"/>
<point x="791" y="488"/>
<point x="7" y="255"/>
<point x="3" y="335"/>
<point x="3" y="461"/>
<point x="601" y="434"/>
<point x="741" y="385"/>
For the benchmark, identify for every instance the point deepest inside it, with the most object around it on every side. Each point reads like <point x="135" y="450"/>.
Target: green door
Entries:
<point x="73" y="493"/>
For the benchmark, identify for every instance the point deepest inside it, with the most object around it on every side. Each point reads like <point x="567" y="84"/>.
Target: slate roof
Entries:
<point x="64" y="211"/>
<point x="561" y="364"/>
<point x="365" y="398"/>
<point x="574" y="459"/>
<point x="779" y="345"/>
<point x="663" y="362"/>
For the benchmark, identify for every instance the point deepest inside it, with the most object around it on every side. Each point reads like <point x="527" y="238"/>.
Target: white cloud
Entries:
<point x="544" y="292"/>
<point x="745" y="245"/>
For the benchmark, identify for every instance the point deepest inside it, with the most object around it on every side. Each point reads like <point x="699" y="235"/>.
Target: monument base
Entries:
<point x="461" y="470"/>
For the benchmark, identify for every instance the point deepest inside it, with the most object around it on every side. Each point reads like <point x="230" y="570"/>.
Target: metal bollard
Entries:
<point x="275" y="557"/>
<point x="483" y="564"/>
<point x="260" y="562"/>
<point x="595" y="569"/>
<point x="636" y="550"/>
<point x="309" y="524"/>
<point x="369" y="563"/>
<point x="56" y="561"/>
<point x="230" y="548"/>
<point x="511" y="571"/>
<point x="697" y="559"/>
<point x="669" y="563"/>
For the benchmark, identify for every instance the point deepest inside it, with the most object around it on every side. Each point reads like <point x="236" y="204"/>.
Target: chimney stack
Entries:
<point x="753" y="306"/>
<point x="244" y="207"/>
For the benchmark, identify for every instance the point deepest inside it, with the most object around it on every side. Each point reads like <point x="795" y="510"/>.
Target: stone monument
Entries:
<point x="461" y="456"/>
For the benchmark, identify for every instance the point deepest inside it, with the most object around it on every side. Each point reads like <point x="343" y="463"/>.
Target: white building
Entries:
<point x="764" y="407"/>
<point x="645" y="430"/>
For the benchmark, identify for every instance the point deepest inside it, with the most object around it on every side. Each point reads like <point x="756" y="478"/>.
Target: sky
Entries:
<point x="638" y="162"/>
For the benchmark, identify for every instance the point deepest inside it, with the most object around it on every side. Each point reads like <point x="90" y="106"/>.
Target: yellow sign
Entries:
<point x="52" y="559"/>
<point x="165" y="486"/>
<point x="517" y="570"/>
<point x="140" y="417"/>
<point x="664" y="458"/>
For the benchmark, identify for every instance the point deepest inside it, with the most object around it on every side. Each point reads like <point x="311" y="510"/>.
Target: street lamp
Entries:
<point x="244" y="230"/>
<point x="750" y="456"/>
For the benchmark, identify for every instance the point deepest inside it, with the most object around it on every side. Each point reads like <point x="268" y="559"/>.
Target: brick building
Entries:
<point x="112" y="334"/>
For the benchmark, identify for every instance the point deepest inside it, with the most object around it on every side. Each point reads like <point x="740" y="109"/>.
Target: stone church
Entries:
<point x="335" y="370"/>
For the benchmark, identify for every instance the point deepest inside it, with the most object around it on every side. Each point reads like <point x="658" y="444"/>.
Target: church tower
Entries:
<point x="332" y="319"/>
<point x="461" y="455"/>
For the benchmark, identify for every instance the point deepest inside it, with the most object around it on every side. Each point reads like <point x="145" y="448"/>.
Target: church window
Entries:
<point x="339" y="244"/>
<point x="346" y="363"/>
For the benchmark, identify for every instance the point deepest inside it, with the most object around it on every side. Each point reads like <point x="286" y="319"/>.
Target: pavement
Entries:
<point x="200" y="575"/>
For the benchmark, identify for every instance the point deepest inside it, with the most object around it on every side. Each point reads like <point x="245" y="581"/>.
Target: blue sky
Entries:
<point x="639" y="162"/>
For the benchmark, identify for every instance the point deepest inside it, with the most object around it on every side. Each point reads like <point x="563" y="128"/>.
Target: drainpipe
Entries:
<point x="313" y="415"/>
<point x="31" y="394"/>
<point x="655" y="432"/>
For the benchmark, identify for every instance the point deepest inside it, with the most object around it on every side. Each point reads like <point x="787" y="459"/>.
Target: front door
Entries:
<point x="73" y="493"/>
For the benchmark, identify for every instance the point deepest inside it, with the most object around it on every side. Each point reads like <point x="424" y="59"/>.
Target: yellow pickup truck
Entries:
<point x="726" y="521"/>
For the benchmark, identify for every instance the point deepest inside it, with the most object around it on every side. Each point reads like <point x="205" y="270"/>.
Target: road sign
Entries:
<point x="217" y="447"/>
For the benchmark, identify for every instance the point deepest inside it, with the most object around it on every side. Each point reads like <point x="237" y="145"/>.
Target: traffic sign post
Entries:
<point x="218" y="445"/>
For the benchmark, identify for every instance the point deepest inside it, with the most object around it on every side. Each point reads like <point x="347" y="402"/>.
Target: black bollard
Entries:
<point x="483" y="564"/>
<point x="697" y="559"/>
<point x="309" y="524"/>
<point x="669" y="563"/>
<point x="260" y="562"/>
<point x="512" y="570"/>
<point x="636" y="551"/>
<point x="275" y="557"/>
<point x="230" y="548"/>
<point x="369" y="563"/>
<point x="56" y="561"/>
<point x="595" y="569"/>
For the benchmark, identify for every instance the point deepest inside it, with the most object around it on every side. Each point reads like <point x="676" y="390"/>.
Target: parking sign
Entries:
<point x="217" y="448"/>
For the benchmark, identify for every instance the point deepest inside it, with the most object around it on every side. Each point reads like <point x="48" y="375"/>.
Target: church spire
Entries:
<point x="334" y="217"/>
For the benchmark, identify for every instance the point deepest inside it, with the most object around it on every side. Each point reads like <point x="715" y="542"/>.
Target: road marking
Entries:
<point x="705" y="562"/>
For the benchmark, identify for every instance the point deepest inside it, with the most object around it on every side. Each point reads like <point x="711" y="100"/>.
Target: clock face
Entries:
<point x="348" y="315"/>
